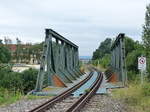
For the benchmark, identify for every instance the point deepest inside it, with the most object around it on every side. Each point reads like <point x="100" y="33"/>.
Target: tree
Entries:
<point x="5" y="55"/>
<point x="129" y="45"/>
<point x="146" y="36"/>
<point x="146" y="28"/>
<point x="15" y="81"/>
<point x="104" y="48"/>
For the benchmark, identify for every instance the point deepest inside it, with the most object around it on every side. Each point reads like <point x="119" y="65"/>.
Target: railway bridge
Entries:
<point x="60" y="74"/>
<point x="60" y="61"/>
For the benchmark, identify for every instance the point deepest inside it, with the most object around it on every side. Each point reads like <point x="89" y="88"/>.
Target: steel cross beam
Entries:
<point x="118" y="64"/>
<point x="59" y="61"/>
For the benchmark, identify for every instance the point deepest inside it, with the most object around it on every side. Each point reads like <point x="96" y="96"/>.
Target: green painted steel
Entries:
<point x="60" y="57"/>
<point x="118" y="63"/>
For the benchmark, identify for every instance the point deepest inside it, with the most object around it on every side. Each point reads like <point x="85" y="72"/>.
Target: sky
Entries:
<point x="84" y="22"/>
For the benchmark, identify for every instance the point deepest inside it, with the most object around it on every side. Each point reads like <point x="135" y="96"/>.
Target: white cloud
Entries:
<point x="85" y="22"/>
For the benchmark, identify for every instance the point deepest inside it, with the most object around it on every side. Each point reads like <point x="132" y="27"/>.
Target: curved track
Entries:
<point x="67" y="103"/>
<point x="60" y="97"/>
<point x="84" y="98"/>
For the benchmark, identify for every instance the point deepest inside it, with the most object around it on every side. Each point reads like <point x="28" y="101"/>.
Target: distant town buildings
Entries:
<point x="23" y="53"/>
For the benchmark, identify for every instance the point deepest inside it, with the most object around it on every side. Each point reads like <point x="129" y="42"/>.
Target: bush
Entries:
<point x="14" y="81"/>
<point x="29" y="79"/>
<point x="105" y="61"/>
<point x="133" y="76"/>
<point x="5" y="55"/>
<point x="10" y="80"/>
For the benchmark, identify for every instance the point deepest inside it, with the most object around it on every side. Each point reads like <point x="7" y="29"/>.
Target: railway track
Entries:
<point x="85" y="97"/>
<point x="63" y="105"/>
<point x="65" y="102"/>
<point x="60" y="97"/>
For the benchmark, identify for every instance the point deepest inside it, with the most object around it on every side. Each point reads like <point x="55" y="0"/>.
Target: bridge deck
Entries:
<point x="106" y="85"/>
<point x="57" y="90"/>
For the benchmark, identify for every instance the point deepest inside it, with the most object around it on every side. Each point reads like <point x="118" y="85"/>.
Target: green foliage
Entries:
<point x="132" y="63"/>
<point x="146" y="37"/>
<point x="5" y="55"/>
<point x="146" y="89"/>
<point x="136" y="96"/>
<point x="103" y="49"/>
<point x="105" y="61"/>
<point x="146" y="28"/>
<point x="13" y="84"/>
<point x="13" y="81"/>
<point x="133" y="50"/>
<point x="8" y="97"/>
<point x="29" y="79"/>
<point x="129" y="45"/>
<point x="96" y="54"/>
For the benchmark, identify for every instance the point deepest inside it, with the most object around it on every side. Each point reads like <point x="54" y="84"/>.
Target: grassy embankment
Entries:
<point x="14" y="86"/>
<point x="136" y="96"/>
<point x="8" y="97"/>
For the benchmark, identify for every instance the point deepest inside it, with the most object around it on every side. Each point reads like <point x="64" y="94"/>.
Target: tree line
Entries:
<point x="134" y="49"/>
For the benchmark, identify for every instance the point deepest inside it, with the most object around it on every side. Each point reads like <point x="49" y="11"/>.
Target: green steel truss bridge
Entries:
<point x="60" y="61"/>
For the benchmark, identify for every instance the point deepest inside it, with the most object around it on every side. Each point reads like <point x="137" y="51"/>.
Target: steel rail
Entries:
<point x="60" y="97"/>
<point x="85" y="97"/>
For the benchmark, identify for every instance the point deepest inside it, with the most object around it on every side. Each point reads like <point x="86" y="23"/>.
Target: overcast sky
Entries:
<point x="84" y="22"/>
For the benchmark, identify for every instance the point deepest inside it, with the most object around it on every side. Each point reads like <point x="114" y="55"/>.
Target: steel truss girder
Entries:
<point x="59" y="58"/>
<point x="118" y="63"/>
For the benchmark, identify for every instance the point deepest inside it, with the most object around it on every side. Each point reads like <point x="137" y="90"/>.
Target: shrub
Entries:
<point x="14" y="81"/>
<point x="29" y="79"/>
<point x="5" y="55"/>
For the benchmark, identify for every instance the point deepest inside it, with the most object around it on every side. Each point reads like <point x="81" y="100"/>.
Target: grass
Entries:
<point x="136" y="97"/>
<point x="8" y="97"/>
